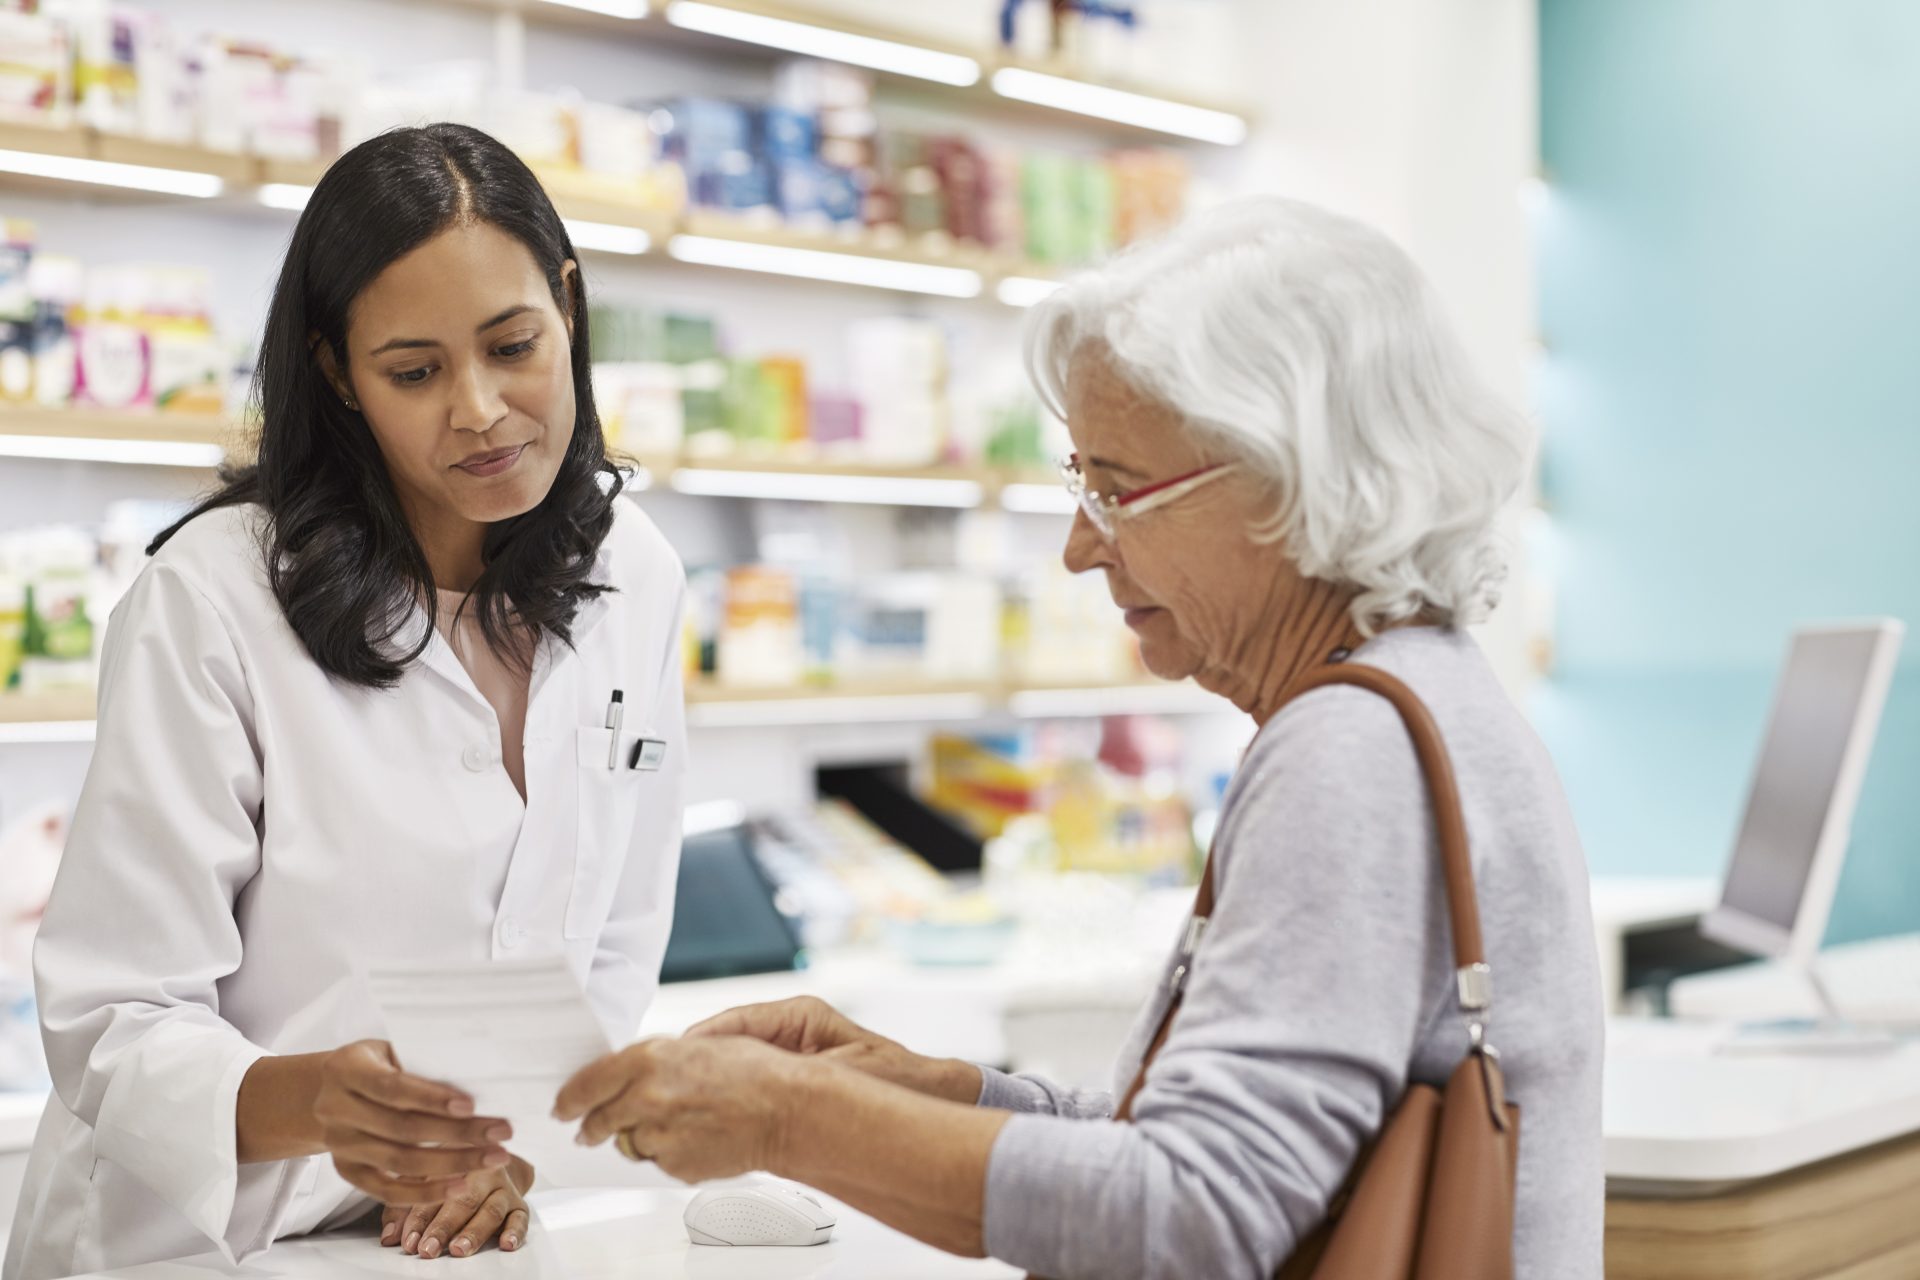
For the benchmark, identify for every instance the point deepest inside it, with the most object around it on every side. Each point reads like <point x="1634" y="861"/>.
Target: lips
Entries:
<point x="493" y="462"/>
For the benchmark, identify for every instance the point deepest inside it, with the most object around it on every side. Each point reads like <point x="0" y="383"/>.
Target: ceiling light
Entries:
<point x="806" y="486"/>
<point x="1038" y="499"/>
<point x="822" y="264"/>
<point x="158" y="453"/>
<point x="1121" y="106"/>
<point x="825" y="42"/>
<point x="284" y="195"/>
<point x="1023" y="291"/>
<point x="108" y="173"/>
<point x="611" y="8"/>
<point x="607" y="237"/>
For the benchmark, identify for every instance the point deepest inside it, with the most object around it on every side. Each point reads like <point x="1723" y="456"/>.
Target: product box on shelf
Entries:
<point x="36" y="70"/>
<point x="46" y="626"/>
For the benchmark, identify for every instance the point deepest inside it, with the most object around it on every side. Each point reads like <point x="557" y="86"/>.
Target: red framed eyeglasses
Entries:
<point x="1108" y="510"/>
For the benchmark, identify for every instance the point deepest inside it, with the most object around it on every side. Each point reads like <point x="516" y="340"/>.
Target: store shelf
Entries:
<point x="68" y="717"/>
<point x="113" y="165"/>
<point x="712" y="706"/>
<point x="107" y="424"/>
<point x="602" y="215"/>
<point x="971" y="76"/>
<point x="191" y="440"/>
<point x="194" y="441"/>
<point x="31" y="719"/>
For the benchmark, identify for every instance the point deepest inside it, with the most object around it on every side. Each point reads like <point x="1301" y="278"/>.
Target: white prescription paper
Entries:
<point x="508" y="1032"/>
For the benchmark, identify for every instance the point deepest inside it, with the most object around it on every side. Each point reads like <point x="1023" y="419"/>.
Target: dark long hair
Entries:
<point x="340" y="555"/>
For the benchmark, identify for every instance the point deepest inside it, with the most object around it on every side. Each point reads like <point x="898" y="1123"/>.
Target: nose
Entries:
<point x="1086" y="549"/>
<point x="477" y="404"/>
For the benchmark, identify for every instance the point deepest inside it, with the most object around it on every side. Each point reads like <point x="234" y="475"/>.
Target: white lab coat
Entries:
<point x="253" y="834"/>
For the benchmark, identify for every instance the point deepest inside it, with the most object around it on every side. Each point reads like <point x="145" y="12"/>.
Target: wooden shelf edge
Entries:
<point x="75" y="707"/>
<point x="46" y="708"/>
<point x="581" y="197"/>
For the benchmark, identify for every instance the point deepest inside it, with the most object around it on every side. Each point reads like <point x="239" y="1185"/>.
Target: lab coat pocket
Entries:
<point x="610" y="802"/>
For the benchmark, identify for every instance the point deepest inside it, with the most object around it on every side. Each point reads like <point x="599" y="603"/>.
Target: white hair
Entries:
<point x="1310" y="347"/>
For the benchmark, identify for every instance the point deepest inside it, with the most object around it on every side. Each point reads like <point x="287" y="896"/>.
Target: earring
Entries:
<point x="351" y="406"/>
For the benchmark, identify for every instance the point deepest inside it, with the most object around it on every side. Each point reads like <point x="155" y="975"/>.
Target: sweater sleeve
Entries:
<point x="1037" y="1095"/>
<point x="1293" y="1042"/>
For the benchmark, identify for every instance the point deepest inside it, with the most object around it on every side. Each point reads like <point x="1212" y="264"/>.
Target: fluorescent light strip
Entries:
<point x="1171" y="699"/>
<point x="825" y="42"/>
<point x="36" y="732"/>
<point x="1038" y="499"/>
<point x="284" y="195"/>
<point x="108" y="173"/>
<point x="611" y="8"/>
<point x="1023" y="291"/>
<point x="831" y="710"/>
<point x="1121" y="106"/>
<point x="820" y="264"/>
<point x="801" y="486"/>
<point x="155" y="453"/>
<point x="608" y="237"/>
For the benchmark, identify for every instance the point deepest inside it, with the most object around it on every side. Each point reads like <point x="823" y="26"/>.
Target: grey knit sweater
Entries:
<point x="1323" y="986"/>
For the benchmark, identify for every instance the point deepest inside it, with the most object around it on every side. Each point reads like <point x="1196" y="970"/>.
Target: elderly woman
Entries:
<point x="1281" y="453"/>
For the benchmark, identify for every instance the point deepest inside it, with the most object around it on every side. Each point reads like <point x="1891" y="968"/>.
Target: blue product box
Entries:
<point x="797" y="188"/>
<point x="841" y="196"/>
<point x="786" y="134"/>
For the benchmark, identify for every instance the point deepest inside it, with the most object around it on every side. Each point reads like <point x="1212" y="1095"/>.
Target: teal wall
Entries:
<point x="1729" y="264"/>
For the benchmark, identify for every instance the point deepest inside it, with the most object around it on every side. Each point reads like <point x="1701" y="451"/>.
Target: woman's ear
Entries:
<point x="570" y="281"/>
<point x="330" y="368"/>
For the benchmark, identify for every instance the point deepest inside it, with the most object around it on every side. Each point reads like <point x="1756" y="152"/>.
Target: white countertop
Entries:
<point x="605" y="1235"/>
<point x="1877" y="981"/>
<point x="1682" y="1119"/>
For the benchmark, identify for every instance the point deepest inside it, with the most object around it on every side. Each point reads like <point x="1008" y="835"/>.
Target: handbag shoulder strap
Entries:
<point x="1473" y="978"/>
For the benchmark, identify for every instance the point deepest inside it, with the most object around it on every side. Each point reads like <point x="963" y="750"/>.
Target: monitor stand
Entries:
<point x="1830" y="1033"/>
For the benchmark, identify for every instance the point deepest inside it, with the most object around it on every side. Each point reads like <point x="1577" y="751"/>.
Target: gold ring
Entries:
<point x="623" y="1142"/>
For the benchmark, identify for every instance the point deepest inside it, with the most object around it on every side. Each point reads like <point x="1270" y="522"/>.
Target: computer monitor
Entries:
<point x="1786" y="860"/>
<point x="725" y="917"/>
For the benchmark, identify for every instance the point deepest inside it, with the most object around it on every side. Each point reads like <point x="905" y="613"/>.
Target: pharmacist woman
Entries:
<point x="354" y="713"/>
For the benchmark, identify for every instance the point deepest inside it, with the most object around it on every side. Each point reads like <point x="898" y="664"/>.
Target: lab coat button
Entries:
<point x="510" y="933"/>
<point x="477" y="758"/>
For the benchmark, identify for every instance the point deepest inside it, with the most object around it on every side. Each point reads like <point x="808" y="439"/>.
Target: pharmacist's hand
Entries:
<point x="494" y="1204"/>
<point x="810" y="1025"/>
<point x="401" y="1139"/>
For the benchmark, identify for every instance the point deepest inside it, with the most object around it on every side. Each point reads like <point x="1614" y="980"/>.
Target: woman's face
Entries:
<point x="461" y="363"/>
<point x="1197" y="590"/>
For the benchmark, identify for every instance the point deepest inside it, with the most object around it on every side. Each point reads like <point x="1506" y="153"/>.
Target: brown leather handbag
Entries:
<point x="1432" y="1197"/>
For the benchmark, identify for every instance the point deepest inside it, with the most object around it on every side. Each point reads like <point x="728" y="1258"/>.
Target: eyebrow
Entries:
<point x="396" y="344"/>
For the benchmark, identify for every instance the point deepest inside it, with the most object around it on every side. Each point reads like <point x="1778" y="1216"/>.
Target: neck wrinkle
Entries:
<point x="1317" y="623"/>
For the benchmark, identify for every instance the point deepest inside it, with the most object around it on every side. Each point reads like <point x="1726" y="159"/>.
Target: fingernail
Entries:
<point x="460" y="1107"/>
<point x="413" y="1241"/>
<point x="498" y="1133"/>
<point x="509" y="1241"/>
<point x="496" y="1160"/>
<point x="390" y="1233"/>
<point x="462" y="1246"/>
<point x="582" y="1139"/>
<point x="431" y="1249"/>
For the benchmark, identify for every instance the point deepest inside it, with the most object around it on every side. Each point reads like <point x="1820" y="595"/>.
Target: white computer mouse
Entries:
<point x="757" y="1213"/>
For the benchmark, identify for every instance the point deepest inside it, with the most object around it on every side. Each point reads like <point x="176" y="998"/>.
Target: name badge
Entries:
<point x="648" y="754"/>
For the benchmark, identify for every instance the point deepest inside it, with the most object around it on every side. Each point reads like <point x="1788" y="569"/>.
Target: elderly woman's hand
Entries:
<point x="809" y="1025"/>
<point x="709" y="1107"/>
